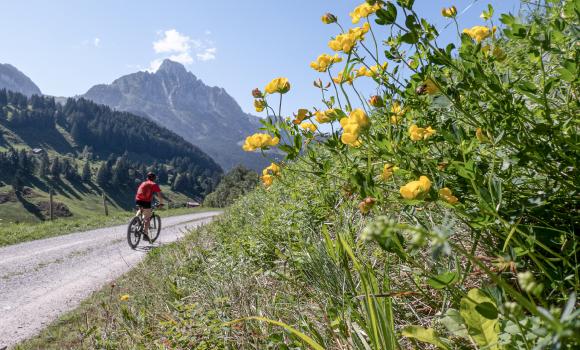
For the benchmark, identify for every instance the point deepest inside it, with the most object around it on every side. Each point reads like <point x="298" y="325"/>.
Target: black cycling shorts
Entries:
<point x="143" y="204"/>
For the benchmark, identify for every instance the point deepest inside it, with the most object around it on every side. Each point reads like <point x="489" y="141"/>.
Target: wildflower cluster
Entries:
<point x="461" y="147"/>
<point x="352" y="126"/>
<point x="324" y="61"/>
<point x="259" y="141"/>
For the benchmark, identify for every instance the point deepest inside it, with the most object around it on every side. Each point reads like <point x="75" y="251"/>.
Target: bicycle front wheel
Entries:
<point x="154" y="228"/>
<point x="134" y="232"/>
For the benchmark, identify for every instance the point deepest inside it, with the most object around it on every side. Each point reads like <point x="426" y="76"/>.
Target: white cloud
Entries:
<point x="172" y="41"/>
<point x="96" y="42"/>
<point x="181" y="48"/>
<point x="207" y="55"/>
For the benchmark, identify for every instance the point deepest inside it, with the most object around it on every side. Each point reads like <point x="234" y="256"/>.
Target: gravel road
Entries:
<point x="41" y="280"/>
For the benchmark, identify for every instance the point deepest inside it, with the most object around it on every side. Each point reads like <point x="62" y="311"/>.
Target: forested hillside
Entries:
<point x="43" y="143"/>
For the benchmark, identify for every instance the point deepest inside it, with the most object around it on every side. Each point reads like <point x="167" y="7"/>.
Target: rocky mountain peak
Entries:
<point x="206" y="116"/>
<point x="172" y="68"/>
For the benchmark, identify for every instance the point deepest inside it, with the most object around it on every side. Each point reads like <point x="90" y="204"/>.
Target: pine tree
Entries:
<point x="103" y="174"/>
<point x="162" y="175"/>
<point x="120" y="171"/>
<point x="55" y="168"/>
<point x="86" y="174"/>
<point x="43" y="168"/>
<point x="181" y="183"/>
<point x="17" y="181"/>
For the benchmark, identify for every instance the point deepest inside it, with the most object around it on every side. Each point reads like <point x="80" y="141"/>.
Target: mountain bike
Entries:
<point x="137" y="226"/>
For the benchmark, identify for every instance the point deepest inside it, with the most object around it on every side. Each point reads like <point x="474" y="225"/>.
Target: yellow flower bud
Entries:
<point x="377" y="101"/>
<point x="328" y="18"/>
<point x="446" y="194"/>
<point x="259" y="105"/>
<point x="449" y="12"/>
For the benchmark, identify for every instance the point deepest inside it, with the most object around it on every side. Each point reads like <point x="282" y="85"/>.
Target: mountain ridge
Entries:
<point x="208" y="117"/>
<point x="14" y="80"/>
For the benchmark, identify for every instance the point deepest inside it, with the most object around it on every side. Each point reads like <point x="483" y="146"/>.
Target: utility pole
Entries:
<point x="50" y="205"/>
<point x="105" y="204"/>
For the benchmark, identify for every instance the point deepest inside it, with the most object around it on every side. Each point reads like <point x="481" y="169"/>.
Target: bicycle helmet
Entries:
<point x="151" y="176"/>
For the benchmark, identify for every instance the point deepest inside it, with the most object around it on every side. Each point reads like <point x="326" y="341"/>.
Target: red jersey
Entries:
<point x="146" y="190"/>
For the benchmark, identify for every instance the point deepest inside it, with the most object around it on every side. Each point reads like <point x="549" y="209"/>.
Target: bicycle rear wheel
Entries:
<point x="154" y="228"/>
<point x="134" y="232"/>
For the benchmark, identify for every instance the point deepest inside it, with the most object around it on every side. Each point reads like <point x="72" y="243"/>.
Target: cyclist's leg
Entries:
<point x="147" y="217"/>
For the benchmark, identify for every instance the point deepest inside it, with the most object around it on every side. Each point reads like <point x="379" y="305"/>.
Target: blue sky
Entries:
<point x="68" y="46"/>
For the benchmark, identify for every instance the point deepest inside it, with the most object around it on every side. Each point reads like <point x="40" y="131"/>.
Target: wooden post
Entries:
<point x="50" y="205"/>
<point x="105" y="204"/>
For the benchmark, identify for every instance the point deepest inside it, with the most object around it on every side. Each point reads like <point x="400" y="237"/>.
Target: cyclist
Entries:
<point x="144" y="197"/>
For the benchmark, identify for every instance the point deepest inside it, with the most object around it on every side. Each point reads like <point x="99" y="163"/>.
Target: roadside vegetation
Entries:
<point x="441" y="213"/>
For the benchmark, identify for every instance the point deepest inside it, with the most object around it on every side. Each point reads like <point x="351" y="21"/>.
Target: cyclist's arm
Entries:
<point x="159" y="195"/>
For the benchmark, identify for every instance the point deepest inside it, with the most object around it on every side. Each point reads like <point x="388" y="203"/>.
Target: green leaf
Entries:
<point x="455" y="324"/>
<point x="477" y="309"/>
<point x="568" y="71"/>
<point x="387" y="15"/>
<point x="426" y="335"/>
<point x="527" y="86"/>
<point x="410" y="38"/>
<point x="465" y="170"/>
<point x="443" y="280"/>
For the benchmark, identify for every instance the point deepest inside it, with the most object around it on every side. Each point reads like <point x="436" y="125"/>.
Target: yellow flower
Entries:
<point x="273" y="169"/>
<point x="415" y="189"/>
<point x="257" y="140"/>
<point x="346" y="41"/>
<point x="342" y="42"/>
<point x="388" y="171"/>
<point x="377" y="70"/>
<point x="267" y="180"/>
<point x="479" y="33"/>
<point x="124" y="297"/>
<point x="360" y="117"/>
<point x="259" y="105"/>
<point x="397" y="112"/>
<point x="328" y="18"/>
<point x="480" y="135"/>
<point x="449" y="12"/>
<point x="302" y="114"/>
<point x="446" y="194"/>
<point x="280" y="85"/>
<point x="416" y="133"/>
<point x="364" y="10"/>
<point x="324" y="117"/>
<point x="352" y="127"/>
<point x="341" y="80"/>
<point x="308" y="126"/>
<point x="363" y="71"/>
<point x="324" y="61"/>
